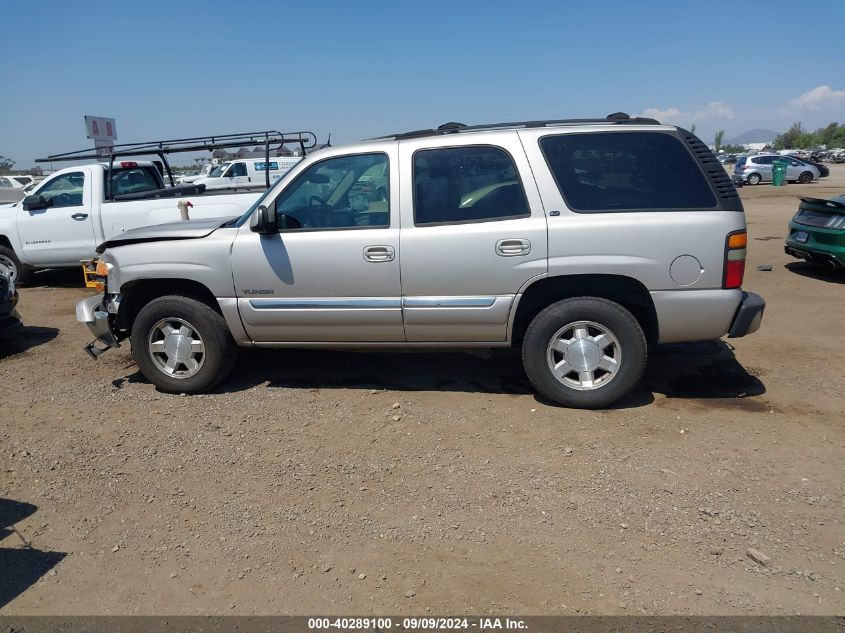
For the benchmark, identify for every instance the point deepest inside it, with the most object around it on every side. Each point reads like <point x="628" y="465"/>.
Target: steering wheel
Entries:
<point x="316" y="201"/>
<point x="62" y="200"/>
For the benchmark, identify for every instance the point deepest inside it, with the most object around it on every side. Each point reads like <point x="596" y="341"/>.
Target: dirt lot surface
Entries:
<point x="434" y="482"/>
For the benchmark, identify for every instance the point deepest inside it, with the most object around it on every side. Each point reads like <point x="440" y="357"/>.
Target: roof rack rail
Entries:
<point x="270" y="139"/>
<point x="452" y="127"/>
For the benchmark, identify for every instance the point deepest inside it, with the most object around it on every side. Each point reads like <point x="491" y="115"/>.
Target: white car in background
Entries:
<point x="16" y="181"/>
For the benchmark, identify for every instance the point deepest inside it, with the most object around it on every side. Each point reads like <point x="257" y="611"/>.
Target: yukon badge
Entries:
<point x="258" y="291"/>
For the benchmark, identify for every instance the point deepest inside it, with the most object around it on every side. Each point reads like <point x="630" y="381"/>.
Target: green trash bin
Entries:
<point x="779" y="172"/>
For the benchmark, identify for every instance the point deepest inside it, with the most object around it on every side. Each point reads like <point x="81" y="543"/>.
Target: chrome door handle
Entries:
<point x="512" y="247"/>
<point x="79" y="216"/>
<point x="379" y="253"/>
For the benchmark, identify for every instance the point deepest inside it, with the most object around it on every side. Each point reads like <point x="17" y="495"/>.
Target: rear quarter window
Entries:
<point x="134" y="180"/>
<point x="604" y="172"/>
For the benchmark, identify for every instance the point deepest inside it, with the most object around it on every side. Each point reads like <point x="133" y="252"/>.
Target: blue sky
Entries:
<point x="361" y="69"/>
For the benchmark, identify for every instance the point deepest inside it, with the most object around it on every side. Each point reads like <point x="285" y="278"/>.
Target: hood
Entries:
<point x="189" y="230"/>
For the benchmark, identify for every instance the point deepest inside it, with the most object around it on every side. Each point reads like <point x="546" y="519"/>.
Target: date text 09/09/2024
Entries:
<point x="416" y="623"/>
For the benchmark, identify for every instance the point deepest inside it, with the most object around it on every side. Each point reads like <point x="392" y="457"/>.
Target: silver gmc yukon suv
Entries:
<point x="581" y="241"/>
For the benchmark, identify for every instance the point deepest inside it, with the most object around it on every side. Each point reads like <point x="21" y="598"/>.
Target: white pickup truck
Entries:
<point x="64" y="219"/>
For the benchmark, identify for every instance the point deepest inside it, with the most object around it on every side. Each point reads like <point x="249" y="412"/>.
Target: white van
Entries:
<point x="247" y="172"/>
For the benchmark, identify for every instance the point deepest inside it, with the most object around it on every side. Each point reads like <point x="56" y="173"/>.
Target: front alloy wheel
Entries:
<point x="176" y="348"/>
<point x="182" y="345"/>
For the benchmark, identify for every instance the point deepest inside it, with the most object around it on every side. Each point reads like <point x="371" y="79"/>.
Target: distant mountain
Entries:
<point x="753" y="136"/>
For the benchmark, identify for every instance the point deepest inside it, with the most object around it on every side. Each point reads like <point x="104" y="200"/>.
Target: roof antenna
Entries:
<point x="329" y="141"/>
<point x="618" y="116"/>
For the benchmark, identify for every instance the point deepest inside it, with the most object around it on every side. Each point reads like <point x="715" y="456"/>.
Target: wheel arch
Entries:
<point x="138" y="293"/>
<point x="626" y="291"/>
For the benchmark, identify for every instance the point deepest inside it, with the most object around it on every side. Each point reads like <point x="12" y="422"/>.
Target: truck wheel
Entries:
<point x="21" y="273"/>
<point x="584" y="352"/>
<point x="182" y="345"/>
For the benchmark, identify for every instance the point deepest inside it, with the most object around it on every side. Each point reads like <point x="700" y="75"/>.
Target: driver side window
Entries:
<point x="64" y="191"/>
<point x="346" y="192"/>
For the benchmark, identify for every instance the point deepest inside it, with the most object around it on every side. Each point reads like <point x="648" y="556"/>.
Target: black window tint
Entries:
<point x="466" y="184"/>
<point x="239" y="169"/>
<point x="626" y="171"/>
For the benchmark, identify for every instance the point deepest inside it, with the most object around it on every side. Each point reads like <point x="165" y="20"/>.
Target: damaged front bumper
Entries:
<point x="97" y="313"/>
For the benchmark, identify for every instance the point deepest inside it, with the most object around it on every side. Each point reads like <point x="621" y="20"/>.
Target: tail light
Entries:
<point x="128" y="164"/>
<point x="735" y="250"/>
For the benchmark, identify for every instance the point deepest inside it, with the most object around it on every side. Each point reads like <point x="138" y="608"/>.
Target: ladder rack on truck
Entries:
<point x="271" y="140"/>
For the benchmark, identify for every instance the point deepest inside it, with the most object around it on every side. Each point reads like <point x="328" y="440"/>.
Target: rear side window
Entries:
<point x="475" y="183"/>
<point x="134" y="180"/>
<point x="626" y="171"/>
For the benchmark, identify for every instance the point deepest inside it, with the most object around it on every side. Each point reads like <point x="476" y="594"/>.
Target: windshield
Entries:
<point x="218" y="171"/>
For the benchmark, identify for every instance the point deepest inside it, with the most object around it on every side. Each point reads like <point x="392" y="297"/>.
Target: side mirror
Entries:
<point x="263" y="221"/>
<point x="35" y="202"/>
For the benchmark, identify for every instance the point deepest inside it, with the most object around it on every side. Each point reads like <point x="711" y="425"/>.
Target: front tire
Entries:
<point x="21" y="273"/>
<point x="182" y="345"/>
<point x="805" y="178"/>
<point x="584" y="352"/>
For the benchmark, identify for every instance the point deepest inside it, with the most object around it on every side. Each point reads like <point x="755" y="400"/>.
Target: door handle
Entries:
<point x="512" y="247"/>
<point x="379" y="253"/>
<point x="79" y="216"/>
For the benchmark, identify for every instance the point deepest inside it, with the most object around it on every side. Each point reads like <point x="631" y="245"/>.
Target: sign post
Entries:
<point x="103" y="131"/>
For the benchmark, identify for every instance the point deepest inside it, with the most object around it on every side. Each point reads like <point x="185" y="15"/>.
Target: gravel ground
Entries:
<point x="362" y="483"/>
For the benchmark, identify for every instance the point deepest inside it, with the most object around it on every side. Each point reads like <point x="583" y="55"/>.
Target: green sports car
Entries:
<point x="817" y="232"/>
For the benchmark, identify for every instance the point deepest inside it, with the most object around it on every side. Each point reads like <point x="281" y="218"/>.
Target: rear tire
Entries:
<point x="21" y="273"/>
<point x="754" y="179"/>
<point x="805" y="178"/>
<point x="182" y="345"/>
<point x="599" y="336"/>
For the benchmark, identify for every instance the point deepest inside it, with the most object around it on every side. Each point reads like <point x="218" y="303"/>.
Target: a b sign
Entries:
<point x="100" y="128"/>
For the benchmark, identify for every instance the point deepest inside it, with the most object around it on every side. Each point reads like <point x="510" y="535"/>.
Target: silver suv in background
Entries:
<point x="752" y="170"/>
<point x="564" y="238"/>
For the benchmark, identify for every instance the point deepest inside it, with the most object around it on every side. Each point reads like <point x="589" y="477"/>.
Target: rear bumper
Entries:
<point x="91" y="312"/>
<point x="832" y="260"/>
<point x="749" y="316"/>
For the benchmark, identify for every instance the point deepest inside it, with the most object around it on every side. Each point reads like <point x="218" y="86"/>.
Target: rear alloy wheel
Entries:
<point x="585" y="352"/>
<point x="805" y="178"/>
<point x="182" y="345"/>
<point x="754" y="179"/>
